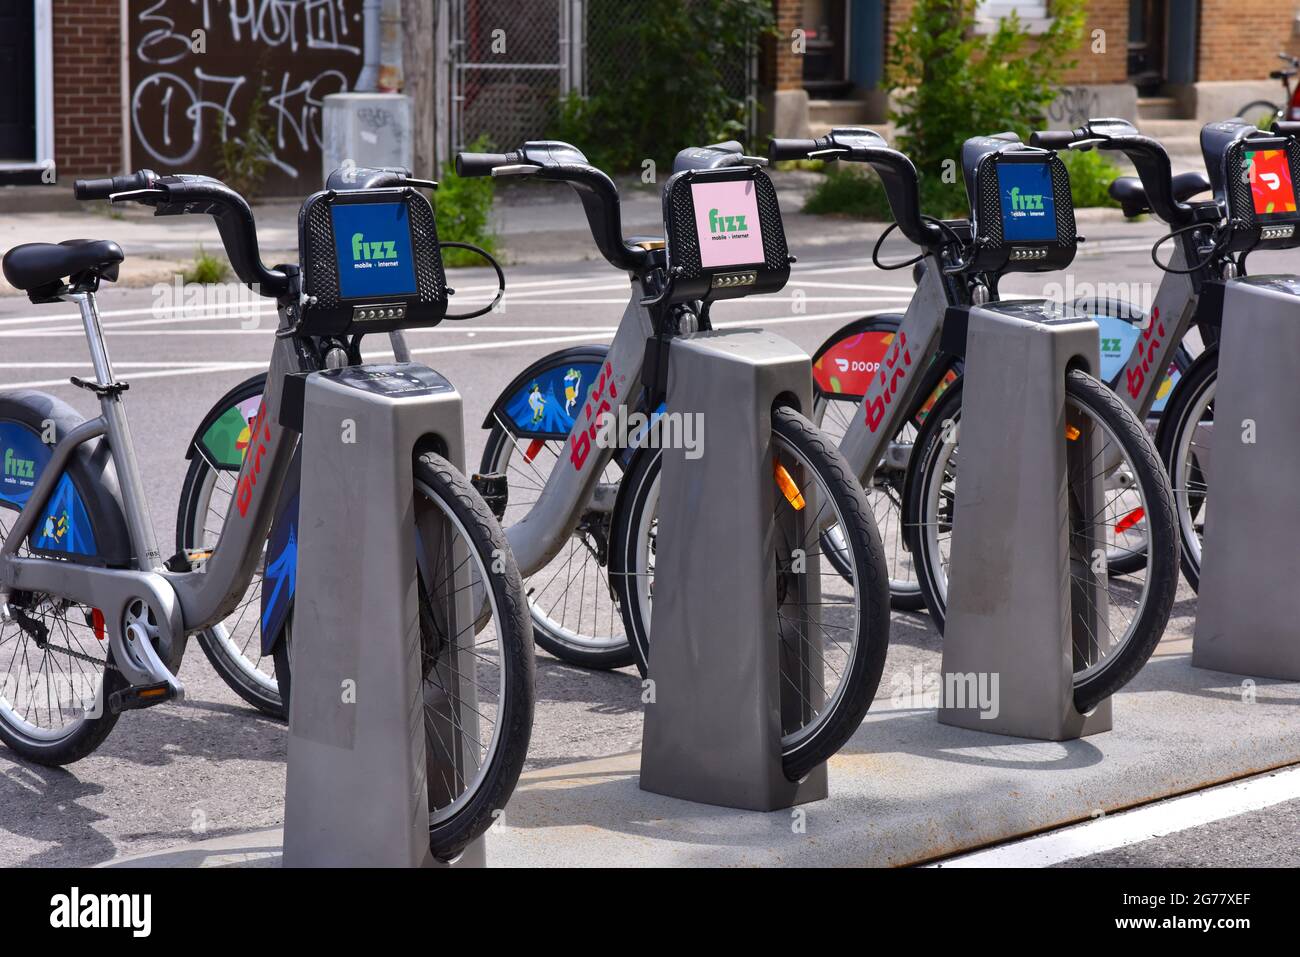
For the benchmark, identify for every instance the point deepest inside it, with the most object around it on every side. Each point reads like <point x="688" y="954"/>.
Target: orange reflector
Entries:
<point x="152" y="692"/>
<point x="788" y="488"/>
<point x="1072" y="432"/>
<point x="97" y="622"/>
<point x="1130" y="520"/>
<point x="534" y="447"/>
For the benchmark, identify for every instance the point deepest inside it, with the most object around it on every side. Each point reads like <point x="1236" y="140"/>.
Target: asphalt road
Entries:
<point x="211" y="765"/>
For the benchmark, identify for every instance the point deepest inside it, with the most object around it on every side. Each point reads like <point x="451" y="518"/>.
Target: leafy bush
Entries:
<point x="850" y="191"/>
<point x="242" y="160"/>
<point x="1091" y="174"/>
<point x="463" y="207"/>
<point x="207" y="268"/>
<point x="956" y="84"/>
<point x="663" y="88"/>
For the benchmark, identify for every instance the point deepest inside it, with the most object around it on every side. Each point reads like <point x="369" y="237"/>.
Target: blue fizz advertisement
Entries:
<point x="373" y="245"/>
<point x="1028" y="209"/>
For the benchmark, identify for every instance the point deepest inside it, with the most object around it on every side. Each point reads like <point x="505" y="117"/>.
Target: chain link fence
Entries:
<point x="512" y="63"/>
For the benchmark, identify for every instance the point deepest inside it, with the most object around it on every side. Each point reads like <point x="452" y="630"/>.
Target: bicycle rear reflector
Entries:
<point x="1021" y="210"/>
<point x="370" y="262"/>
<point x="1254" y="174"/>
<point x="724" y="235"/>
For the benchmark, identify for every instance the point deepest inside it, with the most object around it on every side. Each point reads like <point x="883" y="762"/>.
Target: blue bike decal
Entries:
<point x="66" y="527"/>
<point x="549" y="403"/>
<point x="1118" y="338"/>
<point x="280" y="580"/>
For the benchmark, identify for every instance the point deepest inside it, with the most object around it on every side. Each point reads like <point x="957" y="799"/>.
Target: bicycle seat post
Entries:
<point x="109" y="391"/>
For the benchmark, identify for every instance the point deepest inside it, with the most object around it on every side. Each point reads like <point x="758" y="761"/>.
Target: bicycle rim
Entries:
<point x="570" y="598"/>
<point x="50" y="686"/>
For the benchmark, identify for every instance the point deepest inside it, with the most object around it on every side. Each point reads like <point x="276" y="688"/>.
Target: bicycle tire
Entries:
<point x="1201" y="376"/>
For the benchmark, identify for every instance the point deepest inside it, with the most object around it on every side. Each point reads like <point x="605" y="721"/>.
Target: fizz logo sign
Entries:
<point x="726" y="224"/>
<point x="584" y="431"/>
<point x="18" y="468"/>
<point x="1026" y="202"/>
<point x="258" y="440"/>
<point x="897" y="361"/>
<point x="362" y="250"/>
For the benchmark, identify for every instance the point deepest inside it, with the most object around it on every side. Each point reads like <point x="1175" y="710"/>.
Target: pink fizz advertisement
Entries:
<point x="726" y="219"/>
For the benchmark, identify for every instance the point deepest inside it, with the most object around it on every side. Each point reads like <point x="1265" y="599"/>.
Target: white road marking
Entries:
<point x="183" y="367"/>
<point x="1142" y="824"/>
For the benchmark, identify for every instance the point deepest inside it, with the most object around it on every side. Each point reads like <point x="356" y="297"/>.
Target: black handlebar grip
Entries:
<point x="790" y="149"/>
<point x="1287" y="127"/>
<point x="480" y="164"/>
<point x="104" y="188"/>
<point x="1053" y="139"/>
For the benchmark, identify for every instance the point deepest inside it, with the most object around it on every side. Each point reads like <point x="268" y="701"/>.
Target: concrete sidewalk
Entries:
<point x="905" y="790"/>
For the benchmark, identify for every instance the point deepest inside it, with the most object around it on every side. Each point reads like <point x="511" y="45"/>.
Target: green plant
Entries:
<point x="665" y="85"/>
<point x="242" y="160"/>
<point x="1091" y="174"/>
<point x="850" y="191"/>
<point x="207" y="268"/>
<point x="463" y="206"/>
<point x="955" y="83"/>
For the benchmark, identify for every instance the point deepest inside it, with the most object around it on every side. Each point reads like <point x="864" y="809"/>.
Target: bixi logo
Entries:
<point x="73" y="910"/>
<point x="18" y="468"/>
<point x="726" y="224"/>
<point x="1026" y="202"/>
<point x="363" y="250"/>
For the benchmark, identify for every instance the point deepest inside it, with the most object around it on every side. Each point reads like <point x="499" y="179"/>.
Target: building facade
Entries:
<point x="1140" y="59"/>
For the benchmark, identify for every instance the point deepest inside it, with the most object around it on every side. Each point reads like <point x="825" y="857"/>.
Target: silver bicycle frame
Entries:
<point x="917" y="343"/>
<point x="182" y="602"/>
<point x="538" y="536"/>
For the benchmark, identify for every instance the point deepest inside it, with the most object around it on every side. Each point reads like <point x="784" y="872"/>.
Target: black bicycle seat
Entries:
<point x="40" y="266"/>
<point x="1132" y="196"/>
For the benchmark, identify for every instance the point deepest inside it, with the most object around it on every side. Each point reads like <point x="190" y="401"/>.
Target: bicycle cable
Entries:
<point x="1223" y="235"/>
<point x="875" y="252"/>
<point x="501" y="280"/>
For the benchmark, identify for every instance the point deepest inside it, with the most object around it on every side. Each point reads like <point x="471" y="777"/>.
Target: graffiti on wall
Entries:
<point x="195" y="66"/>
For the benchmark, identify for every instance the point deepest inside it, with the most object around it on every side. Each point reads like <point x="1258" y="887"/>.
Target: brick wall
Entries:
<point x="87" y="87"/>
<point x="780" y="68"/>
<point x="1110" y="66"/>
<point x="1238" y="38"/>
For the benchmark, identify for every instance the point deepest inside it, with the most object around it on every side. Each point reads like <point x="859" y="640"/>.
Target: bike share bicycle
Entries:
<point x="94" y="625"/>
<point x="959" y="266"/>
<point x="851" y="617"/>
<point x="1210" y="241"/>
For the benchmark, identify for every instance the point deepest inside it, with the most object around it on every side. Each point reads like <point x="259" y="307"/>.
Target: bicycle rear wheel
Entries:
<point x="850" y="633"/>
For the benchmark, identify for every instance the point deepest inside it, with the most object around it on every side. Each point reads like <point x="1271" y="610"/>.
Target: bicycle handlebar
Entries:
<point x="1147" y="155"/>
<point x="895" y="170"/>
<point x="482" y="164"/>
<point x="554" y="160"/>
<point x="185" y="193"/>
<point x="104" y="188"/>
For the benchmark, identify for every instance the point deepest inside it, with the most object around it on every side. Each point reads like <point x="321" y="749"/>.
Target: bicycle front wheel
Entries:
<point x="1139" y="602"/>
<point x="850" y="621"/>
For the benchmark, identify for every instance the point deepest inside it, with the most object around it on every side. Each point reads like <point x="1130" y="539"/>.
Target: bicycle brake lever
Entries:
<point x="519" y="169"/>
<point x="137" y="195"/>
<point x="830" y="152"/>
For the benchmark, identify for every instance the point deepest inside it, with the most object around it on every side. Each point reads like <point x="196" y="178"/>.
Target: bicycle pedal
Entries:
<point x="140" y="696"/>
<point x="495" y="489"/>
